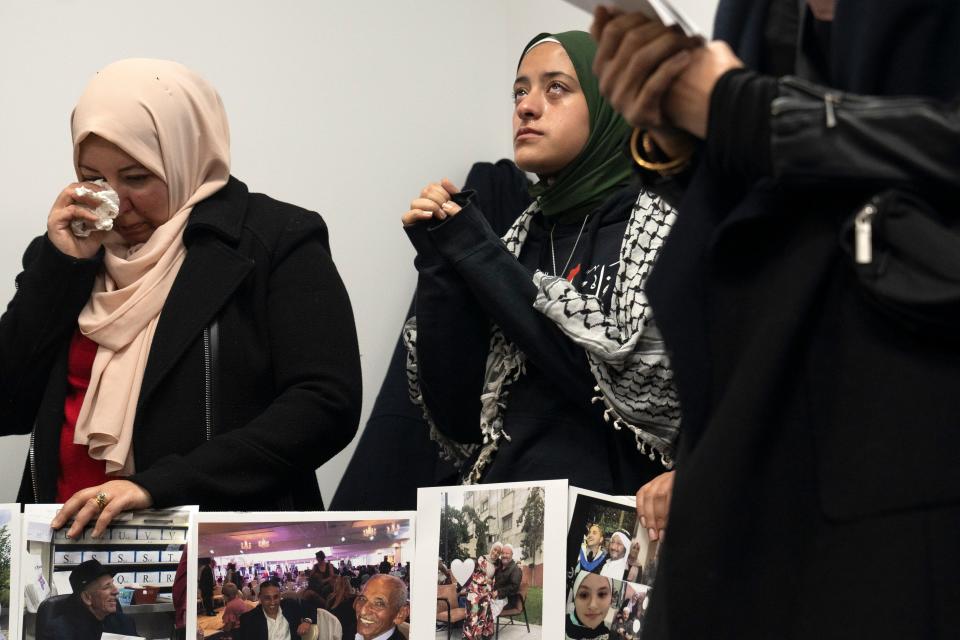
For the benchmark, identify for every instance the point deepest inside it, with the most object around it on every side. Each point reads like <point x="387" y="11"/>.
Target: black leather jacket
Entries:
<point x="814" y="133"/>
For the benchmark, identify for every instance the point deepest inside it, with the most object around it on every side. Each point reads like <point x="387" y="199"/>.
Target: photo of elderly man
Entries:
<point x="89" y="612"/>
<point x="381" y="606"/>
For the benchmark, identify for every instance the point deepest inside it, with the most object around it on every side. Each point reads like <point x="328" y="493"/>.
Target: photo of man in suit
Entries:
<point x="274" y="618"/>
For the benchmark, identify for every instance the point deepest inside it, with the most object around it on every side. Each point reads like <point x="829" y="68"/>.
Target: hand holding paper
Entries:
<point x="659" y="79"/>
<point x="667" y="13"/>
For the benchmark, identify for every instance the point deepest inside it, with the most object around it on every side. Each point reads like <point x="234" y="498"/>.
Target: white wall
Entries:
<point x="347" y="109"/>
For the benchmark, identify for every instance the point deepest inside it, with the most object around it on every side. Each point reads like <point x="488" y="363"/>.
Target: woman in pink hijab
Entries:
<point x="203" y="351"/>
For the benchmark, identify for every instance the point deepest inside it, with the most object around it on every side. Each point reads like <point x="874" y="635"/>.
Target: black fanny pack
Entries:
<point x="907" y="258"/>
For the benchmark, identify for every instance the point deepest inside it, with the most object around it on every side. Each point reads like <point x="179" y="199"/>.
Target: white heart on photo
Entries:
<point x="462" y="570"/>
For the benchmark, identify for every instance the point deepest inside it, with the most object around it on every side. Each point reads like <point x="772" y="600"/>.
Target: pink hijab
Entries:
<point x="171" y="121"/>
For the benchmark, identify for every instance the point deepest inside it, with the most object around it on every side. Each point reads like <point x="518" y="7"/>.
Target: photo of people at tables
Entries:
<point x="336" y="580"/>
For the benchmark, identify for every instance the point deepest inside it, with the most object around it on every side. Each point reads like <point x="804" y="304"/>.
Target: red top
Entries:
<point x="77" y="469"/>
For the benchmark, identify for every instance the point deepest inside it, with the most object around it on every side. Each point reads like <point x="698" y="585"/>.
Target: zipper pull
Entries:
<point x="863" y="234"/>
<point x="829" y="100"/>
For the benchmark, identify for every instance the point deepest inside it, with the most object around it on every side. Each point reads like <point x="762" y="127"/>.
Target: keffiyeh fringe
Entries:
<point x="624" y="347"/>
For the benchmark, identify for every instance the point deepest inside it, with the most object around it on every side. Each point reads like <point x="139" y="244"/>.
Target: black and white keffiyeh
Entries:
<point x="624" y="348"/>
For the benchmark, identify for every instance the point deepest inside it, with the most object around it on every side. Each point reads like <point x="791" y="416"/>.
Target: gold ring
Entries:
<point x="101" y="500"/>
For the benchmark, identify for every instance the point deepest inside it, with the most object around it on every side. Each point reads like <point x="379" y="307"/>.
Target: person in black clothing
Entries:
<point x="385" y="565"/>
<point x="396" y="444"/>
<point x="313" y="596"/>
<point x="206" y="583"/>
<point x="322" y="569"/>
<point x="340" y="604"/>
<point x="507" y="578"/>
<point x="194" y="351"/>
<point x="803" y="294"/>
<point x="273" y="610"/>
<point x="533" y="323"/>
<point x="91" y="610"/>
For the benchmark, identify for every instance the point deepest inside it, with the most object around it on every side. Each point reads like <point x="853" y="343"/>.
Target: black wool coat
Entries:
<point x="253" y="378"/>
<point x="816" y="427"/>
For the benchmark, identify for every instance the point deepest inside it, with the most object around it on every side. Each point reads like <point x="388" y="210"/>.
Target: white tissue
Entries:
<point x="106" y="211"/>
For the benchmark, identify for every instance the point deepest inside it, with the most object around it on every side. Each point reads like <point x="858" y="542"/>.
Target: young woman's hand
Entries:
<point x="434" y="202"/>
<point x="653" y="504"/>
<point x="68" y="207"/>
<point x="83" y="506"/>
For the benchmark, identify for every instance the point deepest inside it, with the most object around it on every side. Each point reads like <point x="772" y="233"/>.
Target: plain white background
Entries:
<point x="344" y="109"/>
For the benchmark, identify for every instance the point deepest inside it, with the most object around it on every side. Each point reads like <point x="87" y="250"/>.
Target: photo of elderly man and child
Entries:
<point x="611" y="568"/>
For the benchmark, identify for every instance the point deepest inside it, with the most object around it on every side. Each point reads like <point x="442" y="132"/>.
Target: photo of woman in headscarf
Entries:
<point x="479" y="623"/>
<point x="592" y="598"/>
<point x="635" y="561"/>
<point x="189" y="349"/>
<point x="512" y="335"/>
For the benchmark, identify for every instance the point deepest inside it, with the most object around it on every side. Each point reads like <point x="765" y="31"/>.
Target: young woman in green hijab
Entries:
<point x="535" y="356"/>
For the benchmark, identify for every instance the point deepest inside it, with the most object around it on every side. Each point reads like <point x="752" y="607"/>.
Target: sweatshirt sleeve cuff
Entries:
<point x="427" y="254"/>
<point x="464" y="233"/>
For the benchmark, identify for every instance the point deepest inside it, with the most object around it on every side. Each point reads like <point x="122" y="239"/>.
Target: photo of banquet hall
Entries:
<point x="319" y="565"/>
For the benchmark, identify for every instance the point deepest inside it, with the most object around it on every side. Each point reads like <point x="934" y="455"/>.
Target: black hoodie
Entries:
<point x="469" y="280"/>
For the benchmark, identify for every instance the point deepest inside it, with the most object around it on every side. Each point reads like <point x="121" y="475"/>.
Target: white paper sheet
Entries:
<point x="668" y="13"/>
<point x="430" y="503"/>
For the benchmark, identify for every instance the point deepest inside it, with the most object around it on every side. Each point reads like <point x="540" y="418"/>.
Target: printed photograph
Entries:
<point x="9" y="523"/>
<point x="611" y="567"/>
<point x="490" y="560"/>
<point x="316" y="576"/>
<point x="600" y="607"/>
<point x="119" y="585"/>
<point x="605" y="537"/>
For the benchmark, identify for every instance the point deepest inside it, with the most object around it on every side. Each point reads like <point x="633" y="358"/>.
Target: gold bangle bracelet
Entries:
<point x="667" y="168"/>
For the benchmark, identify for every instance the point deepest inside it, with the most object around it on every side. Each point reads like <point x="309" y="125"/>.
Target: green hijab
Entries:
<point x="602" y="167"/>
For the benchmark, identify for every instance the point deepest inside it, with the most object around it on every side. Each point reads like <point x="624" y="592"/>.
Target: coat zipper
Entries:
<point x="207" y="382"/>
<point x="33" y="464"/>
<point x="863" y="234"/>
<point x="211" y="347"/>
<point x="211" y="340"/>
<point x="831" y="100"/>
